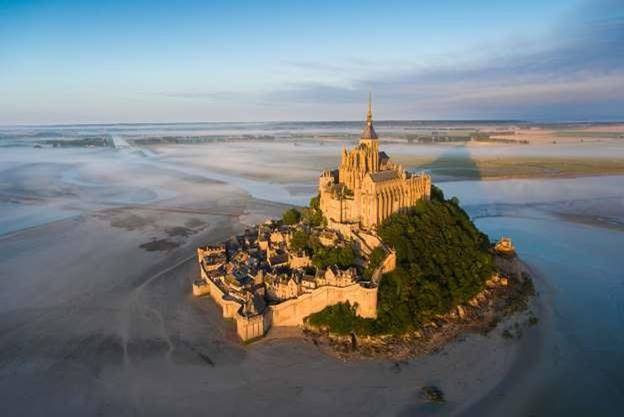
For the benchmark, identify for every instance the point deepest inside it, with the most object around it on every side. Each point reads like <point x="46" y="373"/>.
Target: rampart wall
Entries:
<point x="291" y="312"/>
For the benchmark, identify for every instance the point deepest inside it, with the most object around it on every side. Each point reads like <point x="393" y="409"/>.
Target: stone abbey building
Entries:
<point x="368" y="187"/>
<point x="261" y="279"/>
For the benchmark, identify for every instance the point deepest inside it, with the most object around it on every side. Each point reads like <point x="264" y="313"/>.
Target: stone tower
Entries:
<point x="368" y="187"/>
<point x="364" y="158"/>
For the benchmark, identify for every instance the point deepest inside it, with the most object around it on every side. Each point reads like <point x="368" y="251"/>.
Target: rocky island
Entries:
<point x="379" y="255"/>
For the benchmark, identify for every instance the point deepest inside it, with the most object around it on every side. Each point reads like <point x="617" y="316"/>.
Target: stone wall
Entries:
<point x="200" y="287"/>
<point x="246" y="327"/>
<point x="249" y="328"/>
<point x="293" y="312"/>
<point x="365" y="242"/>
<point x="297" y="262"/>
<point x="229" y="307"/>
<point x="388" y="265"/>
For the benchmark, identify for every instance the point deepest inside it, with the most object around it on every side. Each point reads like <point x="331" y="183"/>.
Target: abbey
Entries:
<point x="368" y="187"/>
<point x="267" y="277"/>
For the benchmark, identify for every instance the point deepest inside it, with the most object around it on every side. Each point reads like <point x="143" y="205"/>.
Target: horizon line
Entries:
<point x="524" y="121"/>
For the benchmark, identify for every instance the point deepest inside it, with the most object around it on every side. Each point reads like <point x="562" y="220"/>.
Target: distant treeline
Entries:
<point x="477" y="137"/>
<point x="79" y="143"/>
<point x="198" y="139"/>
<point x="435" y="138"/>
<point x="44" y="134"/>
<point x="485" y="137"/>
<point x="502" y="140"/>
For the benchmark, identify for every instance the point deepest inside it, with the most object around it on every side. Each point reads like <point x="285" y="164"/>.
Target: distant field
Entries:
<point x="515" y="167"/>
<point x="565" y="133"/>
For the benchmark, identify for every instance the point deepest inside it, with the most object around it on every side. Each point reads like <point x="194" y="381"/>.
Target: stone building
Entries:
<point x="368" y="187"/>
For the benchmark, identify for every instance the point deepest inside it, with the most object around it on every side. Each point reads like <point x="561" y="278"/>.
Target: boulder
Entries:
<point x="433" y="393"/>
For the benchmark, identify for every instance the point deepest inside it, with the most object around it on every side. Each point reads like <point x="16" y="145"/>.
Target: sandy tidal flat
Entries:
<point x="96" y="316"/>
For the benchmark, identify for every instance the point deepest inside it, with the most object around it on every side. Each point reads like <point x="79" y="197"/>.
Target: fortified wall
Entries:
<point x="288" y="313"/>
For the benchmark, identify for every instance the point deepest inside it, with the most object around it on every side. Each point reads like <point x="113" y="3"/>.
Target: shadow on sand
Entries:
<point x="455" y="163"/>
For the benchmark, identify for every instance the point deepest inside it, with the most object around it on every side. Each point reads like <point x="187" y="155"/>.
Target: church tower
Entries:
<point x="368" y="187"/>
<point x="364" y="158"/>
<point x="369" y="140"/>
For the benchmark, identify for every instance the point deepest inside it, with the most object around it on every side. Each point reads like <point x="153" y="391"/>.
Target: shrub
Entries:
<point x="299" y="241"/>
<point x="437" y="194"/>
<point x="315" y="202"/>
<point x="342" y="319"/>
<point x="375" y="259"/>
<point x="291" y="216"/>
<point x="313" y="215"/>
<point x="344" y="257"/>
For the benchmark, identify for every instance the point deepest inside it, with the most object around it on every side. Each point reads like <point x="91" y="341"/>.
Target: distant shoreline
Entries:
<point x="381" y="122"/>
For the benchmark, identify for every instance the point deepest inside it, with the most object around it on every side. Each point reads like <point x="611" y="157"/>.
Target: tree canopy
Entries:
<point x="442" y="260"/>
<point x="291" y="216"/>
<point x="313" y="214"/>
<point x="344" y="257"/>
<point x="299" y="241"/>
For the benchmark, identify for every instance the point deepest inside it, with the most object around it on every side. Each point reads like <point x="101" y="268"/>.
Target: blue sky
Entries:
<point x="158" y="61"/>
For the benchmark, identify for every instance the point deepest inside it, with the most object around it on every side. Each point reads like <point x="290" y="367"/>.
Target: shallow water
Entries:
<point x="580" y="370"/>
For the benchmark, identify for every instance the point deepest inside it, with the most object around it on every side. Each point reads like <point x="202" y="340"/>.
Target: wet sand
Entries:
<point x="126" y="338"/>
<point x="503" y="398"/>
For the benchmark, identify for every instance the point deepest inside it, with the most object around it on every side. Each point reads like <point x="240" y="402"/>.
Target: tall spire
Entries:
<point x="369" y="131"/>
<point x="369" y="115"/>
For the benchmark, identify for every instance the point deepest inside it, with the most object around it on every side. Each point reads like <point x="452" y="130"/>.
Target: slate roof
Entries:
<point x="369" y="131"/>
<point x="384" y="175"/>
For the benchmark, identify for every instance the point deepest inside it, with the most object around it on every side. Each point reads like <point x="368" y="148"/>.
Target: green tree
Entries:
<point x="342" y="319"/>
<point x="442" y="260"/>
<point x="315" y="202"/>
<point x="313" y="215"/>
<point x="374" y="260"/>
<point x="343" y="257"/>
<point x="291" y="216"/>
<point x="299" y="241"/>
<point x="436" y="193"/>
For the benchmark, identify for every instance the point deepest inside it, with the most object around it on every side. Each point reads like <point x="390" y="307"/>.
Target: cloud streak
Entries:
<point x="578" y="72"/>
